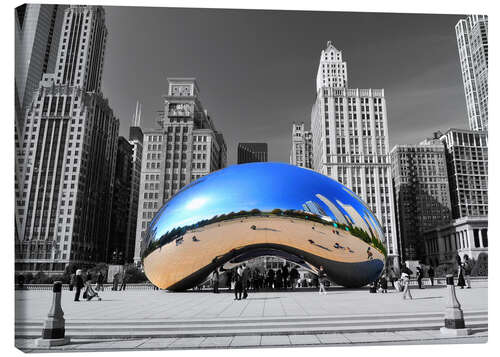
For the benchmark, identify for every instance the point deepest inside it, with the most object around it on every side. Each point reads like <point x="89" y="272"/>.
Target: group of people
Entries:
<point x="77" y="282"/>
<point x="254" y="279"/>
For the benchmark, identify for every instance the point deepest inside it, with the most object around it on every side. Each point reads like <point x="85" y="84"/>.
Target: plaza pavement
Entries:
<point x="156" y="306"/>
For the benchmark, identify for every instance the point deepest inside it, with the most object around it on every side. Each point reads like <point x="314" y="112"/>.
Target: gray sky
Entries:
<point x="257" y="69"/>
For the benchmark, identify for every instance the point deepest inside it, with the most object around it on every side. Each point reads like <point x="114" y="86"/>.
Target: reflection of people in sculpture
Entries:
<point x="370" y="254"/>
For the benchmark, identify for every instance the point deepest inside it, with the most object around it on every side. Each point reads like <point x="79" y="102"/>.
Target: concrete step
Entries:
<point x="128" y="329"/>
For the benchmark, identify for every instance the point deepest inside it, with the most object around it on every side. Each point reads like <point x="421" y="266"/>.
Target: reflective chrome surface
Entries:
<point x="249" y="210"/>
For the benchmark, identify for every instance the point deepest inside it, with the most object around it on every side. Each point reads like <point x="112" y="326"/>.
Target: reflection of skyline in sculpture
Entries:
<point x="314" y="208"/>
<point x="339" y="216"/>
<point x="247" y="210"/>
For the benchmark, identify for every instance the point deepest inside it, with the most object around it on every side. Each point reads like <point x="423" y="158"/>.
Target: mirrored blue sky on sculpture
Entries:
<point x="268" y="191"/>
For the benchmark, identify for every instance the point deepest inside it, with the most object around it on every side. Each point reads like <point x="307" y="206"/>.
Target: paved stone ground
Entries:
<point x="337" y="339"/>
<point x="157" y="304"/>
<point x="151" y="305"/>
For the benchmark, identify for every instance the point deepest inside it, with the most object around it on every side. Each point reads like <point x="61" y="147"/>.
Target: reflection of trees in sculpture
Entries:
<point x="180" y="231"/>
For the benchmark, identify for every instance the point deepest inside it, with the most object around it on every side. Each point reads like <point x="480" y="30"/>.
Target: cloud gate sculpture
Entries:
<point x="250" y="210"/>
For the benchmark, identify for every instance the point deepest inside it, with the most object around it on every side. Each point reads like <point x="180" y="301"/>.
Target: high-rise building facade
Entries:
<point x="67" y="158"/>
<point x="136" y="138"/>
<point x="301" y="153"/>
<point x="37" y="31"/>
<point x="472" y="40"/>
<point x="466" y="153"/>
<point x="421" y="193"/>
<point x="185" y="147"/>
<point x="350" y="139"/>
<point x="252" y="152"/>
<point x="121" y="244"/>
<point x="467" y="163"/>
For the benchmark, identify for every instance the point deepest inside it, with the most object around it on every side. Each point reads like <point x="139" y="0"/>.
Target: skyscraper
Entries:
<point x="301" y="153"/>
<point x="37" y="31"/>
<point x="136" y="138"/>
<point x="350" y="139"/>
<point x="466" y="153"/>
<point x="67" y="159"/>
<point x="252" y="152"/>
<point x="472" y="40"/>
<point x="467" y="163"/>
<point x="185" y="147"/>
<point x="121" y="244"/>
<point x="422" y="196"/>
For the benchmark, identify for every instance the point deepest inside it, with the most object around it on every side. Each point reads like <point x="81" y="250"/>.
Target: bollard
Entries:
<point x="53" y="327"/>
<point x="454" y="317"/>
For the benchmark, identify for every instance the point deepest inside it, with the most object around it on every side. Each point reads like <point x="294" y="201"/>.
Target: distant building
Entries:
<point x="467" y="165"/>
<point x="421" y="193"/>
<point x="472" y="40"/>
<point x="136" y="138"/>
<point x="467" y="162"/>
<point x="120" y="247"/>
<point x="252" y="152"/>
<point x="37" y="31"/>
<point x="314" y="208"/>
<point x="185" y="147"/>
<point x="350" y="140"/>
<point x="301" y="153"/>
<point x="67" y="160"/>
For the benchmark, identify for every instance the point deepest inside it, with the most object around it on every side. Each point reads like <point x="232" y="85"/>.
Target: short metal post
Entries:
<point x="454" y="323"/>
<point x="53" y="327"/>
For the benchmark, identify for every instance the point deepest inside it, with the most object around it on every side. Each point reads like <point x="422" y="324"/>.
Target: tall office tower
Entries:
<point x="350" y="140"/>
<point x="301" y="153"/>
<point x="37" y="31"/>
<point x="467" y="164"/>
<point x="120" y="247"/>
<point x="422" y="196"/>
<point x="252" y="152"/>
<point x="136" y="139"/>
<point x="68" y="156"/>
<point x="472" y="40"/>
<point x="185" y="147"/>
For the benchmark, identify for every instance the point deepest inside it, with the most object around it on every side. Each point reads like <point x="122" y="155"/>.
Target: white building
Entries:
<point x="301" y="152"/>
<point x="472" y="40"/>
<point x="68" y="154"/>
<point x="350" y="139"/>
<point x="184" y="148"/>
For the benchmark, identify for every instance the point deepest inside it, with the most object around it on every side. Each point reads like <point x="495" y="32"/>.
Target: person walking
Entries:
<point x="270" y="278"/>
<point x="215" y="281"/>
<point x="100" y="282"/>
<point x="284" y="275"/>
<point x="405" y="277"/>
<point x="72" y="281"/>
<point x="89" y="293"/>
<point x="245" y="277"/>
<point x="321" y="280"/>
<point x="420" y="275"/>
<point x="238" y="286"/>
<point x="123" y="280"/>
<point x="461" y="280"/>
<point x="278" y="279"/>
<point x="116" y="277"/>
<point x="294" y="275"/>
<point x="78" y="284"/>
<point x="392" y="277"/>
<point x="430" y="272"/>
<point x="467" y="270"/>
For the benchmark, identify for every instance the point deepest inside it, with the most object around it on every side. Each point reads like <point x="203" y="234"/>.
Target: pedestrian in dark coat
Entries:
<point x="238" y="284"/>
<point x="430" y="272"/>
<point x="284" y="274"/>
<point x="461" y="279"/>
<point x="294" y="275"/>
<point x="420" y="275"/>
<point x="78" y="284"/>
<point x="215" y="281"/>
<point x="72" y="281"/>
<point x="278" y="279"/>
<point x="245" y="276"/>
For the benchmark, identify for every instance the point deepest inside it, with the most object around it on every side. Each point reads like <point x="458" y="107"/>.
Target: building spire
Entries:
<point x="137" y="115"/>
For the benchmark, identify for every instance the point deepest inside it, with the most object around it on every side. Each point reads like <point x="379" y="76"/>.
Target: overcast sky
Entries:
<point x="257" y="69"/>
